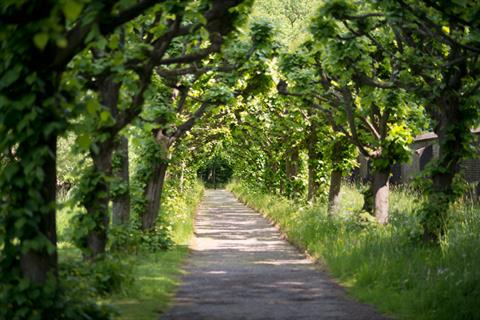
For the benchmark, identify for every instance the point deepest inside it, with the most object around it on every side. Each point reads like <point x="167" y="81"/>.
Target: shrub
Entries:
<point x="105" y="275"/>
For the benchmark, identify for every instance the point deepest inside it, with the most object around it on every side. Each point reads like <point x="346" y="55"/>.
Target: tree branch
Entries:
<point x="363" y="79"/>
<point x="188" y="124"/>
<point x="214" y="47"/>
<point x="76" y="36"/>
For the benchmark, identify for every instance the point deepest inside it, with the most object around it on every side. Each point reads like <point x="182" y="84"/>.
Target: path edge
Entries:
<point x="318" y="264"/>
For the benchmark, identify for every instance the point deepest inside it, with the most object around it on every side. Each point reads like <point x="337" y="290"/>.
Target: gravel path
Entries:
<point x="240" y="268"/>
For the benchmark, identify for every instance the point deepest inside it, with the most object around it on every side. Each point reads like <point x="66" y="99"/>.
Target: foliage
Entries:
<point x="136" y="277"/>
<point x="107" y="275"/>
<point x="441" y="61"/>
<point x="191" y="86"/>
<point x="216" y="170"/>
<point x="156" y="273"/>
<point x="289" y="17"/>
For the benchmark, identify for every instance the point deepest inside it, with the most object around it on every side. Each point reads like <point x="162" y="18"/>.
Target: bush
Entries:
<point x="125" y="239"/>
<point x="157" y="239"/>
<point x="103" y="276"/>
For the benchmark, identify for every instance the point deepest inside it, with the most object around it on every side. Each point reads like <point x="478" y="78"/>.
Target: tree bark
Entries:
<point x="291" y="171"/>
<point x="273" y="177"/>
<point x="435" y="211"/>
<point x="121" y="203"/>
<point x="334" y="191"/>
<point x="182" y="176"/>
<point x="98" y="198"/>
<point x="453" y="116"/>
<point x="380" y="189"/>
<point x="36" y="265"/>
<point x="154" y="188"/>
<point x="153" y="194"/>
<point x="291" y="163"/>
<point x="313" y="158"/>
<point x="337" y="157"/>
<point x="313" y="185"/>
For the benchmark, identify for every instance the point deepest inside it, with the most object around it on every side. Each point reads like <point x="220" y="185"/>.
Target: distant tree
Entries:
<point x="345" y="73"/>
<point x="122" y="70"/>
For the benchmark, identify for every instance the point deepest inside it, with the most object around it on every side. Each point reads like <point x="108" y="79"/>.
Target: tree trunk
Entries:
<point x="98" y="198"/>
<point x="153" y="194"/>
<point x="435" y="210"/>
<point x="121" y="202"/>
<point x="36" y="265"/>
<point x="380" y="189"/>
<point x="291" y="163"/>
<point x="313" y="159"/>
<point x="453" y="116"/>
<point x="273" y="181"/>
<point x="182" y="176"/>
<point x="313" y="185"/>
<point x="291" y="171"/>
<point x="334" y="191"/>
<point x="337" y="157"/>
<point x="154" y="188"/>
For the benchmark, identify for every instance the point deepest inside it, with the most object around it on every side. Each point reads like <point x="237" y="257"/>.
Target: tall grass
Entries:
<point x="387" y="266"/>
<point x="157" y="274"/>
<point x="153" y="275"/>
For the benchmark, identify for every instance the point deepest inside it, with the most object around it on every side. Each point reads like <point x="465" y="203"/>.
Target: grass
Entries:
<point x="156" y="277"/>
<point x="387" y="266"/>
<point x="156" y="274"/>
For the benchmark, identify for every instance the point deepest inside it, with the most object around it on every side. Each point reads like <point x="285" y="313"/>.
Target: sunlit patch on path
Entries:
<point x="240" y="268"/>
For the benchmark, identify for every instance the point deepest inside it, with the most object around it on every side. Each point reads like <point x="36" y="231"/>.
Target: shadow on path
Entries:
<point x="240" y="268"/>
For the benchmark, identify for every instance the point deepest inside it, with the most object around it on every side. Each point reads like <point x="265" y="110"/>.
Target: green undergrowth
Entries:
<point x="157" y="273"/>
<point x="137" y="279"/>
<point x="388" y="267"/>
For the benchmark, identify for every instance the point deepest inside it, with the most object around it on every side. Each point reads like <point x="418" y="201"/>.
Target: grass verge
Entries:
<point x="138" y="284"/>
<point x="386" y="266"/>
<point x="157" y="274"/>
<point x="156" y="277"/>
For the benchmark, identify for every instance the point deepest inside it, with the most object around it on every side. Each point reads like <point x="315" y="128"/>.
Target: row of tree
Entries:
<point x="172" y="76"/>
<point x="368" y="78"/>
<point x="99" y="72"/>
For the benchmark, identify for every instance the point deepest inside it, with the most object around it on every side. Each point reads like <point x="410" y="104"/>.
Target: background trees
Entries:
<point x="39" y="99"/>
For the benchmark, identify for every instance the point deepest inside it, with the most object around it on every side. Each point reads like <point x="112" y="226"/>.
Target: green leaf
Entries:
<point x="91" y="106"/>
<point x="72" y="9"/>
<point x="10" y="170"/>
<point x="84" y="140"/>
<point x="10" y="76"/>
<point x="40" y="40"/>
<point x="62" y="42"/>
<point x="114" y="42"/>
<point x="104" y="116"/>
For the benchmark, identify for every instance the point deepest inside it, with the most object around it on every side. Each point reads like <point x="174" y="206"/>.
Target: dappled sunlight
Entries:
<point x="283" y="262"/>
<point x="240" y="268"/>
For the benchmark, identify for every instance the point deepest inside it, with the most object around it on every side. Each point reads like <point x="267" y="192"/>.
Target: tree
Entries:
<point x="196" y="91"/>
<point x="38" y="41"/>
<point x="290" y="18"/>
<point x="439" y="44"/>
<point x="347" y="79"/>
<point x="126" y="65"/>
